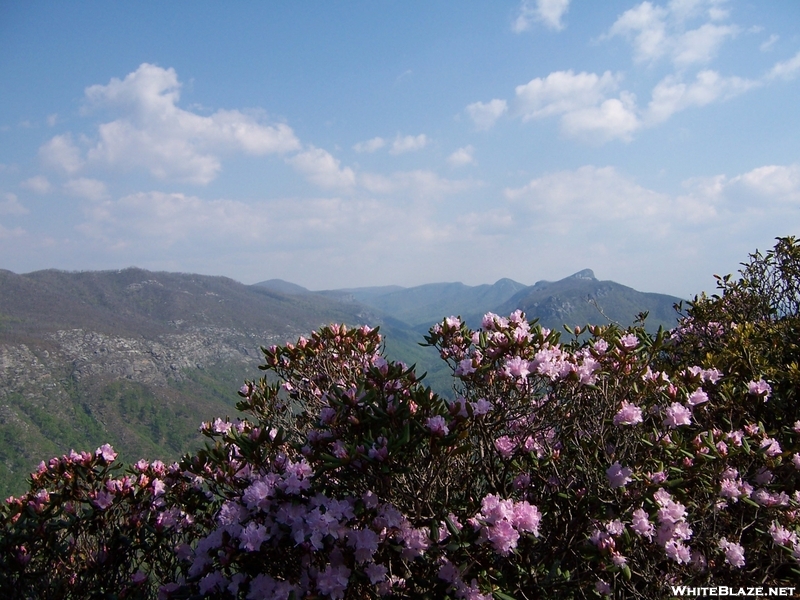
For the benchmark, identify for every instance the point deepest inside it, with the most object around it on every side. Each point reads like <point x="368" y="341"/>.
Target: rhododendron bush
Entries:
<point x="608" y="463"/>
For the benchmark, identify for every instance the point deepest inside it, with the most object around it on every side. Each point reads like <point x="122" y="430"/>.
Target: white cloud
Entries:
<point x="548" y="12"/>
<point x="672" y="95"/>
<point x="372" y="145"/>
<point x="10" y="205"/>
<point x="561" y="92"/>
<point x="62" y="154"/>
<point x="155" y="134"/>
<point x="702" y="44"/>
<point x="769" y="43"/>
<point x="9" y="234"/>
<point x="657" y="31"/>
<point x="323" y="169"/>
<point x="330" y="237"/>
<point x="38" y="184"/>
<point x="786" y="70"/>
<point x="484" y="115"/>
<point x="52" y="119"/>
<point x="581" y="101"/>
<point x="420" y="183"/>
<point x="462" y="156"/>
<point x="170" y="218"/>
<point x="588" y="194"/>
<point x="408" y="143"/>
<point x="777" y="182"/>
<point x="90" y="189"/>
<point x="613" y="119"/>
<point x="645" y="24"/>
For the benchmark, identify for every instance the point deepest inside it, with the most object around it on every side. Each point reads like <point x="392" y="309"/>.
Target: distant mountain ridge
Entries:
<point x="575" y="300"/>
<point x="138" y="358"/>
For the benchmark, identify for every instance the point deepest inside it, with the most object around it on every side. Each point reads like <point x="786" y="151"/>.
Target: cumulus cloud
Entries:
<point x="581" y="101"/>
<point x="786" y="70"/>
<point x="672" y="95"/>
<point x="485" y="114"/>
<point x="657" y="32"/>
<point x="10" y="205"/>
<point x="154" y="133"/>
<point x="83" y="187"/>
<point x="591" y="195"/>
<point x="561" y="92"/>
<point x="370" y="146"/>
<point x="462" y="157"/>
<point x="60" y="153"/>
<point x="38" y="184"/>
<point x="779" y="183"/>
<point x="323" y="169"/>
<point x="614" y="118"/>
<point x="548" y="12"/>
<point x="408" y="143"/>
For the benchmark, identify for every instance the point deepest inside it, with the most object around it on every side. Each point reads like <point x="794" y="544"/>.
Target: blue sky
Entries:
<point x="371" y="143"/>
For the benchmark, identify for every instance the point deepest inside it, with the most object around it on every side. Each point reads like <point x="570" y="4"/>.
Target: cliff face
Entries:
<point x="131" y="358"/>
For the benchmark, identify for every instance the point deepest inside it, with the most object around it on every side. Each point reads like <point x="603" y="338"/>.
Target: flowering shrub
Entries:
<point x="614" y="463"/>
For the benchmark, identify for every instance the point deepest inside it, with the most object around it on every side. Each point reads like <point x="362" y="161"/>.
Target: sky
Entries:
<point x="361" y="143"/>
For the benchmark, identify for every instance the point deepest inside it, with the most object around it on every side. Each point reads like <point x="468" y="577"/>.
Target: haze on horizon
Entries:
<point x="371" y="144"/>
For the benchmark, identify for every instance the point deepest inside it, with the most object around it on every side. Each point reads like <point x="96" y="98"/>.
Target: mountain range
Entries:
<point x="138" y="359"/>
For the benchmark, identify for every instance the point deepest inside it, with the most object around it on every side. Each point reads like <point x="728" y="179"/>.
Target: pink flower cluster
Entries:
<point x="501" y="521"/>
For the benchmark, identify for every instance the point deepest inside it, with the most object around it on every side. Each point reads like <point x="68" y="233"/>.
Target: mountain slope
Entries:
<point x="582" y="299"/>
<point x="424" y="305"/>
<point x="133" y="358"/>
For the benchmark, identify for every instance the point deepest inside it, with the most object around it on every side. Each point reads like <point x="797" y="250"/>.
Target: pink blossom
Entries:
<point x="503" y="537"/>
<point x="481" y="407"/>
<point x="629" y="414"/>
<point x="618" y="475"/>
<point x="438" y="426"/>
<point x="697" y="397"/>
<point x="615" y="527"/>
<point x="465" y="368"/>
<point x="678" y="552"/>
<point x="641" y="524"/>
<point x="603" y="587"/>
<point x="516" y="367"/>
<point x="796" y="461"/>
<point x="415" y="540"/>
<point x="505" y="446"/>
<point x="493" y="322"/>
<point x="449" y="572"/>
<point x="365" y="542"/>
<point x="333" y="581"/>
<point x="339" y="449"/>
<point x="629" y="341"/>
<point x="453" y="322"/>
<point x="677" y="415"/>
<point x="760" y="388"/>
<point x="736" y="437"/>
<point x="253" y="536"/>
<point x="771" y="447"/>
<point x="213" y="581"/>
<point x="526" y="517"/>
<point x="376" y="573"/>
<point x="782" y="536"/>
<point x="104" y="499"/>
<point x="618" y="559"/>
<point x="106" y="452"/>
<point x="734" y="553"/>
